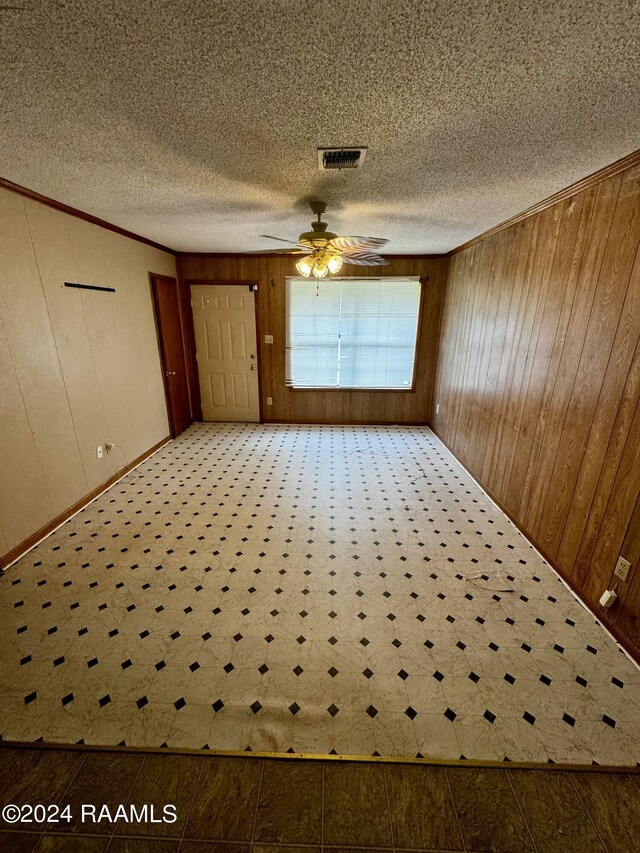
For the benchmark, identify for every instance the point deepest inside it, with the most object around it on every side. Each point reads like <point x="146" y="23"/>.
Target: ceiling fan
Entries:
<point x="325" y="252"/>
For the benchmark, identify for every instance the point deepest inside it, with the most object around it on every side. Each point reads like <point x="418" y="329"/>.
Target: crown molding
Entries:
<point x="632" y="159"/>
<point x="80" y="214"/>
<point x="278" y="255"/>
<point x="609" y="171"/>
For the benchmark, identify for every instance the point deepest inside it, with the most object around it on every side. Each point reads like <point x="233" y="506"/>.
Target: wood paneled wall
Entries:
<point x="538" y="379"/>
<point x="307" y="406"/>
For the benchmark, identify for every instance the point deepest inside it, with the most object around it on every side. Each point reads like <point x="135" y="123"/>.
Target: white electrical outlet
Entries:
<point x="269" y="401"/>
<point x="268" y="339"/>
<point x="99" y="451"/>
<point x="622" y="568"/>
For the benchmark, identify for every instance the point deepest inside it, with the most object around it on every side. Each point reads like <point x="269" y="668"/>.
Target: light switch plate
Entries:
<point x="268" y="339"/>
<point x="622" y="568"/>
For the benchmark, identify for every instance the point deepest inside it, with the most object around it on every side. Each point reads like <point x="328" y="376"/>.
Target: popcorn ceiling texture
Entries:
<point x="195" y="123"/>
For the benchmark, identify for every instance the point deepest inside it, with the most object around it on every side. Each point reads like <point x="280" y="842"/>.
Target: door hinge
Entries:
<point x="196" y="356"/>
<point x="191" y="300"/>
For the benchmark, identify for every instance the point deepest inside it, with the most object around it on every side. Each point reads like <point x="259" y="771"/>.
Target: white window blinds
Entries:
<point x="351" y="333"/>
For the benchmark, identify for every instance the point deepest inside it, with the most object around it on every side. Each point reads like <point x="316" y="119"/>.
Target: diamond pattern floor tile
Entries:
<point x="320" y="589"/>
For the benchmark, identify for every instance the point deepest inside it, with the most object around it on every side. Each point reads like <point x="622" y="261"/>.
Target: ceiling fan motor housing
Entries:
<point x="319" y="236"/>
<point x="326" y="252"/>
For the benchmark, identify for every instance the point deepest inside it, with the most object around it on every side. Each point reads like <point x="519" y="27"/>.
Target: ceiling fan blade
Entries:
<point x="276" y="252"/>
<point x="346" y="244"/>
<point x="280" y="240"/>
<point x="364" y="259"/>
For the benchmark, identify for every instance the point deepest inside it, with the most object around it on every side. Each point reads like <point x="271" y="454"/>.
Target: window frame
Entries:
<point x="422" y="281"/>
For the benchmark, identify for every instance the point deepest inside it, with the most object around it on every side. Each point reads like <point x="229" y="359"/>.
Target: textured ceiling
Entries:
<point x="195" y="122"/>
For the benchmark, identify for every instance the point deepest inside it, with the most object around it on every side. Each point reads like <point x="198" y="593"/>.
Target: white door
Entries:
<point x="225" y="325"/>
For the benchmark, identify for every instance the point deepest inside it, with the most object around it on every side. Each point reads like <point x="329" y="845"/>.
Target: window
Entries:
<point x="351" y="332"/>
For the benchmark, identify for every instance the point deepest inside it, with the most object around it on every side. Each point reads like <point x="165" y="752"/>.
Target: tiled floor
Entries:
<point x="238" y="805"/>
<point x="308" y="589"/>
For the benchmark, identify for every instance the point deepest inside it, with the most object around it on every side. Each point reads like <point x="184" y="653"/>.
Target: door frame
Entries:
<point x="187" y="282"/>
<point x="170" y="280"/>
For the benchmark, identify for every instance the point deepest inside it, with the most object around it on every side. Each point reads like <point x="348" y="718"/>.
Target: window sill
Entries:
<point x="360" y="390"/>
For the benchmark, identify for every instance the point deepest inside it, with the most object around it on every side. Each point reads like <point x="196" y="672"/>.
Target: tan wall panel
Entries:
<point x="56" y="264"/>
<point x="554" y="438"/>
<point x="35" y="359"/>
<point x="87" y="366"/>
<point x="24" y="499"/>
<point x="4" y="546"/>
<point x="101" y="311"/>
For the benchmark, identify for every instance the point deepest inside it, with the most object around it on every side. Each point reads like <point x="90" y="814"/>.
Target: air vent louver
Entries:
<point x="340" y="158"/>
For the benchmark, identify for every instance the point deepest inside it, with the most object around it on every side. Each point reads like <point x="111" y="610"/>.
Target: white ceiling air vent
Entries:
<point x="340" y="158"/>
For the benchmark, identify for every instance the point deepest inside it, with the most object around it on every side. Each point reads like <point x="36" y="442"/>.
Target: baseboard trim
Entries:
<point x="307" y="756"/>
<point x="31" y="541"/>
<point x="632" y="650"/>
<point x="278" y="422"/>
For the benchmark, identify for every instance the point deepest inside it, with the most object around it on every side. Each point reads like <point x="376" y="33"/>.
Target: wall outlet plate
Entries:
<point x="622" y="568"/>
<point x="99" y="451"/>
<point x="268" y="339"/>
<point x="269" y="401"/>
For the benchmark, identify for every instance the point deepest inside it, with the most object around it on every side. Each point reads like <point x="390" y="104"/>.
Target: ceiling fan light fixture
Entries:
<point x="305" y="266"/>
<point x="325" y="252"/>
<point x="320" y="269"/>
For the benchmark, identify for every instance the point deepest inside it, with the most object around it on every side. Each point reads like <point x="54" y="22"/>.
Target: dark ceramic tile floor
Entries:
<point x="254" y="805"/>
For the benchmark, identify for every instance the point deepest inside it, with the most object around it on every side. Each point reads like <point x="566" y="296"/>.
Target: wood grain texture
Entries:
<point x="62" y="843"/>
<point x="290" y="805"/>
<point x="11" y="760"/>
<point x="104" y="778"/>
<point x="489" y="814"/>
<point x="355" y="806"/>
<point x="613" y="802"/>
<point x="422" y="811"/>
<point x="225" y="801"/>
<point x="262" y="848"/>
<point x="19" y="842"/>
<point x="310" y="406"/>
<point x="137" y="845"/>
<point x="626" y="610"/>
<point x="223" y="847"/>
<point x="554" y="813"/>
<point x="163" y="780"/>
<point x="538" y="380"/>
<point x="42" y="777"/>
